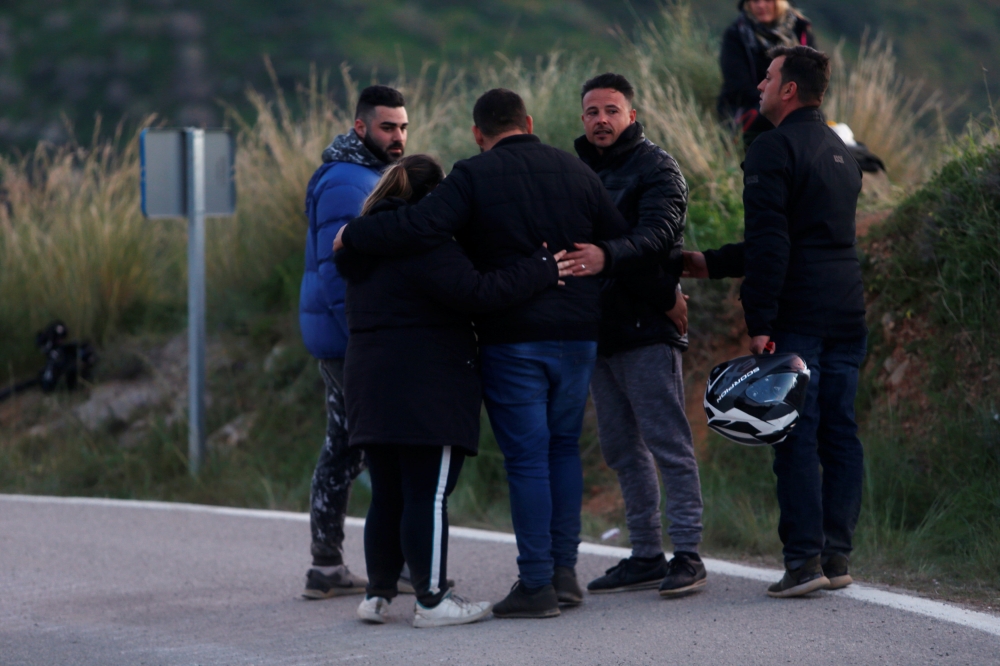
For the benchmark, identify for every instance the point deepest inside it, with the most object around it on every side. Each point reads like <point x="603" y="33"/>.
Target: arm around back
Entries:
<point x="418" y="228"/>
<point x="450" y="278"/>
<point x="662" y="216"/>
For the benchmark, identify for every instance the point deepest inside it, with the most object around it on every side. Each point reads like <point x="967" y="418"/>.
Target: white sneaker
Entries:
<point x="453" y="609"/>
<point x="374" y="609"/>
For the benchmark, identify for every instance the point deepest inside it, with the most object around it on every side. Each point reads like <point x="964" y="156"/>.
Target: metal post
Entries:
<point x="196" y="298"/>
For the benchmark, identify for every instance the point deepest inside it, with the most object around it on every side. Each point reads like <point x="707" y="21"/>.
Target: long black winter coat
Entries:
<point x="800" y="195"/>
<point x="744" y="63"/>
<point x="501" y="205"/>
<point x="410" y="373"/>
<point x="646" y="184"/>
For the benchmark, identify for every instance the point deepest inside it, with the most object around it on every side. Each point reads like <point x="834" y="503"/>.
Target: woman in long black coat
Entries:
<point x="761" y="25"/>
<point x="413" y="393"/>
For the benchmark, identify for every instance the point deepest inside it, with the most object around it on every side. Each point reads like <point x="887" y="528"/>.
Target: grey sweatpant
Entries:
<point x="639" y="396"/>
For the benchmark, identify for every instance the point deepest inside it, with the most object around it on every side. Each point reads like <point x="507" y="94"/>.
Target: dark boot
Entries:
<point x="524" y="602"/>
<point x="567" y="588"/>
<point x="801" y="581"/>
<point x="835" y="568"/>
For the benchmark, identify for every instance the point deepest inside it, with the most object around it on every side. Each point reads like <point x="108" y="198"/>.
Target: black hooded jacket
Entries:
<point x="800" y="196"/>
<point x="646" y="184"/>
<point x="501" y="205"/>
<point x="410" y="372"/>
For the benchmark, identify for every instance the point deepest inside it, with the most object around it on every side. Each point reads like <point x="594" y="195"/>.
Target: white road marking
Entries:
<point x="917" y="605"/>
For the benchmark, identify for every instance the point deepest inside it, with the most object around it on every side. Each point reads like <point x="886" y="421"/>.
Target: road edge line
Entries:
<point x="937" y="610"/>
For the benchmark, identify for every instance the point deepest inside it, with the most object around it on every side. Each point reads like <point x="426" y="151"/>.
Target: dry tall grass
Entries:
<point x="73" y="243"/>
<point x="894" y="116"/>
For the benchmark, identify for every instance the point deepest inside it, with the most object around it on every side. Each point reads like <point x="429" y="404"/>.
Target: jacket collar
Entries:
<point x="517" y="138"/>
<point x="807" y="114"/>
<point x="625" y="144"/>
<point x="350" y="148"/>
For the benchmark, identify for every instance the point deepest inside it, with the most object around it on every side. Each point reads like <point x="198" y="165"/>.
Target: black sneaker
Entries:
<point x="522" y="602"/>
<point x="835" y="568"/>
<point x="567" y="588"/>
<point x="801" y="581"/>
<point x="684" y="575"/>
<point x="630" y="574"/>
<point x="339" y="583"/>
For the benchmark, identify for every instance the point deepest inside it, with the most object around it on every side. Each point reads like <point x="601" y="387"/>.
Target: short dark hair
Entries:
<point x="612" y="82"/>
<point x="807" y="67"/>
<point x="373" y="96"/>
<point x="498" y="111"/>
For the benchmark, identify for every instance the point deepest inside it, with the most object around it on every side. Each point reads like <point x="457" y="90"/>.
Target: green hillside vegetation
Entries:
<point x="65" y="61"/>
<point x="73" y="245"/>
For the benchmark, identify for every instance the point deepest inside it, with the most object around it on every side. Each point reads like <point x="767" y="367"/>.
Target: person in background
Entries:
<point x="638" y="383"/>
<point x="413" y="393"/>
<point x="802" y="293"/>
<point x="352" y="165"/>
<point x="761" y="26"/>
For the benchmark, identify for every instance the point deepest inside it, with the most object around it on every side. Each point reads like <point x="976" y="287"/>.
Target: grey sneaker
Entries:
<point x="374" y="610"/>
<point x="801" y="581"/>
<point x="339" y="583"/>
<point x="452" y="610"/>
<point x="835" y="568"/>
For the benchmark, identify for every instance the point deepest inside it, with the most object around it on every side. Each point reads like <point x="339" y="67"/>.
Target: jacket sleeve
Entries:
<point x="766" y="246"/>
<point x="738" y="87"/>
<point x="336" y="205"/>
<point x="451" y="279"/>
<point x="662" y="214"/>
<point x="418" y="228"/>
<point x="726" y="262"/>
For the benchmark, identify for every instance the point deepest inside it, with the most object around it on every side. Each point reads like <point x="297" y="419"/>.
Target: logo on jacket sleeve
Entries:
<point x="752" y="180"/>
<point x="839" y="159"/>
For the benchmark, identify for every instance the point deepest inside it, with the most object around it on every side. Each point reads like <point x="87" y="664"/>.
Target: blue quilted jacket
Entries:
<point x="334" y="197"/>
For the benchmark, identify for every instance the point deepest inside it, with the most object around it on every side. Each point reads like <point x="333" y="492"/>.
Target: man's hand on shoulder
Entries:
<point x="694" y="265"/>
<point x="338" y="242"/>
<point x="587" y="260"/>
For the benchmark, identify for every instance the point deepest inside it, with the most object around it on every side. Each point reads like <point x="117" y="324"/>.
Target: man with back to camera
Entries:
<point x="536" y="358"/>
<point x="802" y="291"/>
<point x="638" y="387"/>
<point x="352" y="165"/>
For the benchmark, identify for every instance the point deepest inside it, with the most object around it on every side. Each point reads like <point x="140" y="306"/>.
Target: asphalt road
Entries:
<point x="107" y="584"/>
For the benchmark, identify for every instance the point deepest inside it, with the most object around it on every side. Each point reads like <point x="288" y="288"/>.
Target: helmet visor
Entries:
<point x="773" y="389"/>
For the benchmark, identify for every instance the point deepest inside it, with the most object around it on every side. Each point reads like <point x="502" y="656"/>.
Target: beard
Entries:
<point x="381" y="153"/>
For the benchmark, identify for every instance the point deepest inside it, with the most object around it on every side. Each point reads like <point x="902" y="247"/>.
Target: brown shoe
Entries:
<point x="835" y="568"/>
<point x="339" y="583"/>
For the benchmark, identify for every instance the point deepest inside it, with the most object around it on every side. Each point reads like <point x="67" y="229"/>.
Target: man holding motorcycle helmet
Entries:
<point x="802" y="293"/>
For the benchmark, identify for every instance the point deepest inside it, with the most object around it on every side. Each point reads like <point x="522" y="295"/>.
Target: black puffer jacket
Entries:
<point x="501" y="206"/>
<point x="646" y="184"/>
<point x="744" y="63"/>
<point x="800" y="195"/>
<point x="410" y="373"/>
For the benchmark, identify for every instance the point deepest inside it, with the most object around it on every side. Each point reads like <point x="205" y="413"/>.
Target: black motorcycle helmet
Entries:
<point x="756" y="400"/>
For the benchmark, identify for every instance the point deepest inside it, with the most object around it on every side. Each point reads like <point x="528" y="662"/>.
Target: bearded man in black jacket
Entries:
<point x="802" y="292"/>
<point x="638" y="387"/>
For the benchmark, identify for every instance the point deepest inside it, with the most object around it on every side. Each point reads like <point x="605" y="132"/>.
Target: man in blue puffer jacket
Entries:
<point x="352" y="165"/>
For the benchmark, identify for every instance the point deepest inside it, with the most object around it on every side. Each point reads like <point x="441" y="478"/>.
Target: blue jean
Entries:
<point x="535" y="394"/>
<point x="819" y="510"/>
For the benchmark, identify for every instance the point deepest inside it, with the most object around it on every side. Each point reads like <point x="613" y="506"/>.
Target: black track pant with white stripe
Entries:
<point x="408" y="517"/>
